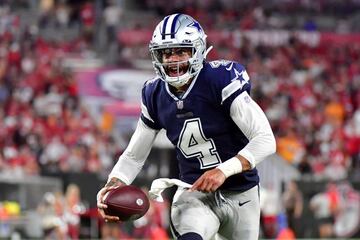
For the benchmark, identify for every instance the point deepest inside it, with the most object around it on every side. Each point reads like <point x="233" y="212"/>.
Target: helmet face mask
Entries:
<point x="160" y="54"/>
<point x="174" y="61"/>
<point x="173" y="34"/>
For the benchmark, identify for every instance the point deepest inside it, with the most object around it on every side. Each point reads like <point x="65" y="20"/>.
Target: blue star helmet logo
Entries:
<point x="196" y="25"/>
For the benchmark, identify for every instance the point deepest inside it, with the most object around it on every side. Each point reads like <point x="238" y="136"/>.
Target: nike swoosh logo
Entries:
<point x="230" y="67"/>
<point x="242" y="203"/>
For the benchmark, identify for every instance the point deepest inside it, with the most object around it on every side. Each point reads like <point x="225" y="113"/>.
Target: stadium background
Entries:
<point x="70" y="80"/>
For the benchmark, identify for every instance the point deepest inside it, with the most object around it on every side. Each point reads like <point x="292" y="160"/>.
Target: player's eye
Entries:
<point x="180" y="51"/>
<point x="167" y="52"/>
<point x="175" y="51"/>
<point x="183" y="51"/>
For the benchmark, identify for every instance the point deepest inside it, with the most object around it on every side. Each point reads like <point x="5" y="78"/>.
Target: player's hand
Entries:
<point x="114" y="183"/>
<point x="210" y="181"/>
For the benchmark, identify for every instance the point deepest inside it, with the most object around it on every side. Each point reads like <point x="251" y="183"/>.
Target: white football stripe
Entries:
<point x="145" y="112"/>
<point x="230" y="89"/>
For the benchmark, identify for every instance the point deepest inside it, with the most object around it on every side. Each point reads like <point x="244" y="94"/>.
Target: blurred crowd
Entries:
<point x="323" y="15"/>
<point x="44" y="127"/>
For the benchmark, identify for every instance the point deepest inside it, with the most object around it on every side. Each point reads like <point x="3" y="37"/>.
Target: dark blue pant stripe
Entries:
<point x="176" y="233"/>
<point x="190" y="236"/>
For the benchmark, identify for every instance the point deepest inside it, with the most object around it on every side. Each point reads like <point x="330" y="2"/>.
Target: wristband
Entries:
<point x="230" y="167"/>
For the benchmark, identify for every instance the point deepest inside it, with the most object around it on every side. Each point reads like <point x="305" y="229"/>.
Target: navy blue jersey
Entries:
<point x="199" y="123"/>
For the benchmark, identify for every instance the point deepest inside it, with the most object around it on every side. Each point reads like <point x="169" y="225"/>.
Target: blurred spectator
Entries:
<point x="290" y="148"/>
<point x="52" y="155"/>
<point x="51" y="209"/>
<point x="75" y="161"/>
<point x="73" y="207"/>
<point x="112" y="230"/>
<point x="334" y="111"/>
<point x="46" y="8"/>
<point x="87" y="14"/>
<point x="352" y="136"/>
<point x="270" y="205"/>
<point x="62" y="13"/>
<point x="338" y="163"/>
<point x="347" y="224"/>
<point x="325" y="205"/>
<point x="293" y="203"/>
<point x="111" y="15"/>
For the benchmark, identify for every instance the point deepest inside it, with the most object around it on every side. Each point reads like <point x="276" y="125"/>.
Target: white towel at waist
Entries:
<point x="160" y="184"/>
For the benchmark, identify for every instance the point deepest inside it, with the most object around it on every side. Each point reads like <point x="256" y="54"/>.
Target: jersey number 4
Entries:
<point x="193" y="143"/>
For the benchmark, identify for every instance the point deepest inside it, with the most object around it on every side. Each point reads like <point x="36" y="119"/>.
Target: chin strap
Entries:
<point x="207" y="51"/>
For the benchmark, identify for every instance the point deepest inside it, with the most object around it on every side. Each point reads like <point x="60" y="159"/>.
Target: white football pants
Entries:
<point x="219" y="215"/>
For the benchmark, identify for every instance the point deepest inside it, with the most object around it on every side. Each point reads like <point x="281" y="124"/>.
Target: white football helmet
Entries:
<point x="178" y="31"/>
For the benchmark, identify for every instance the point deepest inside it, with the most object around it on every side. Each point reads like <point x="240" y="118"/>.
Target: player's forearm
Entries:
<point x="258" y="148"/>
<point x="132" y="160"/>
<point x="252" y="121"/>
<point x="127" y="168"/>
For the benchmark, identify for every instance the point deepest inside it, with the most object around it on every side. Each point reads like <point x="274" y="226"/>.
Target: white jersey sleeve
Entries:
<point x="132" y="160"/>
<point x="251" y="120"/>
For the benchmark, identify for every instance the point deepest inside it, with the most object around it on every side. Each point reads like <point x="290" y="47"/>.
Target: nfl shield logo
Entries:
<point x="180" y="104"/>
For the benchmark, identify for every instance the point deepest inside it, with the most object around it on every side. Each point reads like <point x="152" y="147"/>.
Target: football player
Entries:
<point x="219" y="132"/>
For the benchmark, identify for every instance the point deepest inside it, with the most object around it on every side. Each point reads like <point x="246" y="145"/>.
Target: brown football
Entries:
<point x="127" y="202"/>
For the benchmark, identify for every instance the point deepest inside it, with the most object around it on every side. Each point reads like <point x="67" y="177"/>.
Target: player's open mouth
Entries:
<point x="175" y="71"/>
